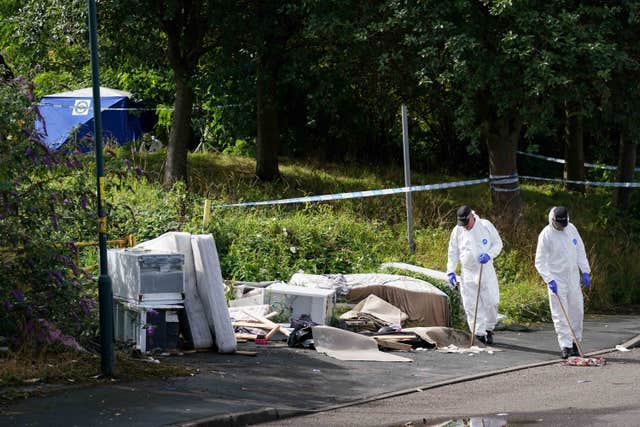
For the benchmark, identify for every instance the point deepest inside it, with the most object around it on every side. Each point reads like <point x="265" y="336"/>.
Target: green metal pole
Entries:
<point x="104" y="281"/>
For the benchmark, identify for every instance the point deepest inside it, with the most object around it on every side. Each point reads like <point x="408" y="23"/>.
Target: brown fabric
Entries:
<point x="377" y="308"/>
<point x="422" y="308"/>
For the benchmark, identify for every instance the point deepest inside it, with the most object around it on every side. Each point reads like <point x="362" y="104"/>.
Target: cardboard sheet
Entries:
<point x="442" y="336"/>
<point x="345" y="345"/>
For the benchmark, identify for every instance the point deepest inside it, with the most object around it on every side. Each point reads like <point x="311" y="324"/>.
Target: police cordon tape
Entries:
<point x="359" y="194"/>
<point x="494" y="180"/>
<point x="587" y="183"/>
<point x="75" y="107"/>
<point x="562" y="161"/>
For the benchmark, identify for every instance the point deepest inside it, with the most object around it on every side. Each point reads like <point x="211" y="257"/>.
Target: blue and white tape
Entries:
<point x="496" y="180"/>
<point x="562" y="161"/>
<point x="587" y="183"/>
<point x="72" y="107"/>
<point x="359" y="194"/>
<point x="493" y="180"/>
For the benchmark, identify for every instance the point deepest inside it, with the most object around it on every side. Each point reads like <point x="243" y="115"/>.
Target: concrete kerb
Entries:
<point x="245" y="418"/>
<point x="273" y="414"/>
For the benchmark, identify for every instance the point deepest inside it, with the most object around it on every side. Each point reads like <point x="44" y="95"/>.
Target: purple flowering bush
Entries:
<point x="47" y="202"/>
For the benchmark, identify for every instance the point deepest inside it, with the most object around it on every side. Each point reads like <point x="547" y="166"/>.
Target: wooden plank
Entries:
<point x="244" y="324"/>
<point x="272" y="332"/>
<point x="246" y="336"/>
<point x="245" y="353"/>
<point x="394" y="337"/>
<point x="267" y="322"/>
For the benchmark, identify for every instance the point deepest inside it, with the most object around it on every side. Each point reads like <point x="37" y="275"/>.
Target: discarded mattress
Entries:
<point x="196" y="317"/>
<point x="376" y="309"/>
<point x="345" y="345"/>
<point x="211" y="291"/>
<point x="433" y="274"/>
<point x="424" y="304"/>
<point x="338" y="282"/>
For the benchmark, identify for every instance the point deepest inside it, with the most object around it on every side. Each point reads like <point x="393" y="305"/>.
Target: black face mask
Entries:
<point x="557" y="225"/>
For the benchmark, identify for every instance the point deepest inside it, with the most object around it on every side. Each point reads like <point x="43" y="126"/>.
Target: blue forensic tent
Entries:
<point x="69" y="115"/>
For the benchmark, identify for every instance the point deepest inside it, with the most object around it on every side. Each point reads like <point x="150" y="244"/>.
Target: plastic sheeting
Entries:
<point x="198" y="325"/>
<point x="211" y="291"/>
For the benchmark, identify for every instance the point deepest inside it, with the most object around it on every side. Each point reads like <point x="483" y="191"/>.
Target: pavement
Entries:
<point x="281" y="382"/>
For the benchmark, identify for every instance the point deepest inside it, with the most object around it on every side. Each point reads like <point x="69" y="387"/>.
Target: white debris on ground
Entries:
<point x="472" y="350"/>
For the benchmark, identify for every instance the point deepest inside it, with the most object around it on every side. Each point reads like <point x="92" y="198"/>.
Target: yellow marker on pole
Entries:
<point x="102" y="224"/>
<point x="206" y="216"/>
<point x="101" y="190"/>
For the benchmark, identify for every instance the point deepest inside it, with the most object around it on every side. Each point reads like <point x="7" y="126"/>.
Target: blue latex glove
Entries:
<point x="553" y="286"/>
<point x="452" y="279"/>
<point x="484" y="258"/>
<point x="586" y="280"/>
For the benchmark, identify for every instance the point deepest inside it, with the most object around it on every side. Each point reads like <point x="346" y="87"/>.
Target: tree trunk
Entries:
<point x="502" y="142"/>
<point x="179" y="137"/>
<point x="268" y="133"/>
<point x="626" y="169"/>
<point x="574" y="148"/>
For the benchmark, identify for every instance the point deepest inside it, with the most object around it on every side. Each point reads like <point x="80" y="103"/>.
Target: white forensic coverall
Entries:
<point x="560" y="256"/>
<point x="465" y="246"/>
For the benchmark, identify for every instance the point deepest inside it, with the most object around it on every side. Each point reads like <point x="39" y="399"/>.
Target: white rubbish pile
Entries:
<point x="205" y="303"/>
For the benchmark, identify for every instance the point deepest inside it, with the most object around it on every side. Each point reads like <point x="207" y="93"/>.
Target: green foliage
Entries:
<point x="46" y="204"/>
<point x="272" y="245"/>
<point x="51" y="33"/>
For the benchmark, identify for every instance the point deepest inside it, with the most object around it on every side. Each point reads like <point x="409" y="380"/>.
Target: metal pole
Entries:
<point x="407" y="178"/>
<point x="104" y="281"/>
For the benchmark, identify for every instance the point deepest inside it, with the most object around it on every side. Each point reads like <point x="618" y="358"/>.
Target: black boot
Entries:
<point x="574" y="350"/>
<point x="566" y="352"/>
<point x="489" y="337"/>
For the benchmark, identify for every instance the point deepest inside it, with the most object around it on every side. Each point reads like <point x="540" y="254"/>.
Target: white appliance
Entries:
<point x="144" y="280"/>
<point x="317" y="303"/>
<point x="146" y="276"/>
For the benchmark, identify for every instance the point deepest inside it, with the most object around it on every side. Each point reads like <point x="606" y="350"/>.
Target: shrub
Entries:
<point x="46" y="203"/>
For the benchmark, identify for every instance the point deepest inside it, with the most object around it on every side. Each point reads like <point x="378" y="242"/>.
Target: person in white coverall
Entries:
<point x="560" y="257"/>
<point x="475" y="242"/>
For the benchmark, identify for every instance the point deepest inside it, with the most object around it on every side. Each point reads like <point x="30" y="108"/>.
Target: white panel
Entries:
<point x="211" y="290"/>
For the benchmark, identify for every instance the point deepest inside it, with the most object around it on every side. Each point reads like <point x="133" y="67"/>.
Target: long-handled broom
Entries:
<point x="579" y="361"/>
<point x="475" y="313"/>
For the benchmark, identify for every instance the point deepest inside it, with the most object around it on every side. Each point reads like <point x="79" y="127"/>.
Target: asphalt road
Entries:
<point x="552" y="395"/>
